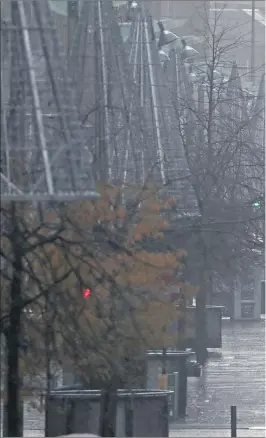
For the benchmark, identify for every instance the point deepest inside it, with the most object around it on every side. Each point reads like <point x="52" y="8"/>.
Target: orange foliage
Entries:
<point x="121" y="227"/>
<point x="117" y="267"/>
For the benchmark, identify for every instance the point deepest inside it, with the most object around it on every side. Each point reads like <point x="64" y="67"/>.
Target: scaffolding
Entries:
<point x="44" y="155"/>
<point x="106" y="96"/>
<point x="165" y="150"/>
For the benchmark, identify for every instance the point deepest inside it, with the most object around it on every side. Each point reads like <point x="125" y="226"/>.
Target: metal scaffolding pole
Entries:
<point x="72" y="20"/>
<point x="165" y="157"/>
<point x="253" y="75"/>
<point x="106" y="94"/>
<point x="44" y="155"/>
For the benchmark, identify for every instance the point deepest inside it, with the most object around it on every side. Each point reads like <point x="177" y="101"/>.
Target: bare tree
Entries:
<point x="99" y="246"/>
<point x="29" y="157"/>
<point x="219" y="127"/>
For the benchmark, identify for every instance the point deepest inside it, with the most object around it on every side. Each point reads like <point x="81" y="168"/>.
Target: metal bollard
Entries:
<point x="129" y="426"/>
<point x="233" y="421"/>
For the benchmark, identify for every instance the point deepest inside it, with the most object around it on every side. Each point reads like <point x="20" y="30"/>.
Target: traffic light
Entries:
<point x="256" y="203"/>
<point x="86" y="293"/>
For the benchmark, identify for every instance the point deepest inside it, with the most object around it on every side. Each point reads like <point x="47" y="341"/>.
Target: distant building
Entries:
<point x="176" y="9"/>
<point x="188" y="16"/>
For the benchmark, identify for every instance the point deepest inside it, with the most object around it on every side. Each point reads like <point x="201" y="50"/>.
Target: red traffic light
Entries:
<point x="86" y="293"/>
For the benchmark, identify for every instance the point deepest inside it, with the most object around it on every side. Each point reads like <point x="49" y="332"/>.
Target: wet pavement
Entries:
<point x="195" y="433"/>
<point x="234" y="375"/>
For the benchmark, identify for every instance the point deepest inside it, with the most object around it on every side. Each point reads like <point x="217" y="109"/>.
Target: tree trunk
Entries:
<point x="108" y="412"/>
<point x="50" y="313"/>
<point x="164" y="360"/>
<point x="201" y="332"/>
<point x="182" y="321"/>
<point x="14" y="420"/>
<point x="201" y="301"/>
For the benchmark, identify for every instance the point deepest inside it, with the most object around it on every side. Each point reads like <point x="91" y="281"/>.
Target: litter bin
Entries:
<point x="146" y="412"/>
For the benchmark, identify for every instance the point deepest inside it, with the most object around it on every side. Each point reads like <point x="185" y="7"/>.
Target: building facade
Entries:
<point x="189" y="16"/>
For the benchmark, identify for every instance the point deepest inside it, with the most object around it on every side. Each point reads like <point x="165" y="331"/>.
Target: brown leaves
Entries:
<point x="103" y="269"/>
<point x="101" y="247"/>
<point x="105" y="209"/>
<point x="155" y="322"/>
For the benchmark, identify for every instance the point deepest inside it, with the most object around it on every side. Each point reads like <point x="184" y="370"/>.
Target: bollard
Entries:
<point x="233" y="421"/>
<point x="129" y="418"/>
<point x="182" y="387"/>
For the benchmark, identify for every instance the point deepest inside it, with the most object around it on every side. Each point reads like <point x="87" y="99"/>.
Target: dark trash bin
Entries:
<point x="139" y="413"/>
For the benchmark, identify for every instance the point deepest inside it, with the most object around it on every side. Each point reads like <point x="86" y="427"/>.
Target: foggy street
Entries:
<point x="234" y="375"/>
<point x="132" y="211"/>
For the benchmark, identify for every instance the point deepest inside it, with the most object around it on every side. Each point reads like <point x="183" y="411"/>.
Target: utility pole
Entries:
<point x="253" y="44"/>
